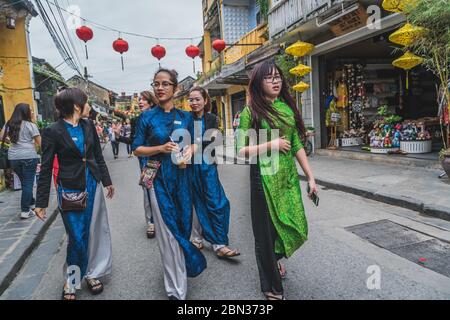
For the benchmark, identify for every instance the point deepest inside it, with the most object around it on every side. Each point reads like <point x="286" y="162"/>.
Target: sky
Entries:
<point x="167" y="18"/>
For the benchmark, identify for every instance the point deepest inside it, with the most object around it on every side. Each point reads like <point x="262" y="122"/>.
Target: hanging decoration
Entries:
<point x="159" y="52"/>
<point x="300" y="70"/>
<point x="397" y="6"/>
<point x="120" y="46"/>
<point x="300" y="49"/>
<point x="407" y="62"/>
<point x="406" y="35"/>
<point x="301" y="87"/>
<point x="219" y="45"/>
<point x="193" y="52"/>
<point x="85" y="34"/>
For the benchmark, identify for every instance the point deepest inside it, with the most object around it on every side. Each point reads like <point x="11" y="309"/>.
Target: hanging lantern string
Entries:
<point x="107" y="28"/>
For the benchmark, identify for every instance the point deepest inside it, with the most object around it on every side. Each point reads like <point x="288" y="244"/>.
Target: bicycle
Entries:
<point x="308" y="144"/>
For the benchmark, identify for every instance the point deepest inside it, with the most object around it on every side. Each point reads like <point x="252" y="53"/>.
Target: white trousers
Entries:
<point x="175" y="275"/>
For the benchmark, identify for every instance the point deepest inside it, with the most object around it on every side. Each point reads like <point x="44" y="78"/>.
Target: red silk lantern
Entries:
<point x="159" y="52"/>
<point x="85" y="34"/>
<point x="219" y="45"/>
<point x="120" y="46"/>
<point x="192" y="52"/>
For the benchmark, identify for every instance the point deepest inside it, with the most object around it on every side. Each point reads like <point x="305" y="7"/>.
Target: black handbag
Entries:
<point x="4" y="162"/>
<point x="74" y="201"/>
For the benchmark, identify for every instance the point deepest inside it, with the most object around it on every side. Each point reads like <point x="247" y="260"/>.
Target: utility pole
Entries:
<point x="86" y="78"/>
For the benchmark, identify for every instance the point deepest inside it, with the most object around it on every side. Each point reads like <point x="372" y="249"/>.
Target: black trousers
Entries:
<point x="265" y="236"/>
<point x="115" y="147"/>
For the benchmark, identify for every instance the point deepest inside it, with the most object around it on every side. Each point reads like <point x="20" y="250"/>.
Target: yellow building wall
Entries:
<point x="16" y="83"/>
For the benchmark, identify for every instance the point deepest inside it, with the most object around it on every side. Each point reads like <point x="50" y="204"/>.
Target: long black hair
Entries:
<point x="261" y="108"/>
<point x="22" y="112"/>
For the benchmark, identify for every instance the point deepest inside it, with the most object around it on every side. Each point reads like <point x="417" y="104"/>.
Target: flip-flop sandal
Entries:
<point x="272" y="297"/>
<point x="68" y="294"/>
<point x="151" y="231"/>
<point x="197" y="244"/>
<point x="95" y="286"/>
<point x="228" y="254"/>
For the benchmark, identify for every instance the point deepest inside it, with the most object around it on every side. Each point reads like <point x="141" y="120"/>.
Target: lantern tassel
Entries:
<point x="407" y="79"/>
<point x="85" y="47"/>
<point x="121" y="58"/>
<point x="193" y="62"/>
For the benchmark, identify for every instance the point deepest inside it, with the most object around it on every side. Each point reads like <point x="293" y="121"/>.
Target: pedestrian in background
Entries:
<point x="112" y="138"/>
<point x="81" y="168"/>
<point x="212" y="209"/>
<point x="277" y="212"/>
<point x="126" y="132"/>
<point x="170" y="191"/>
<point x="147" y="101"/>
<point x="25" y="140"/>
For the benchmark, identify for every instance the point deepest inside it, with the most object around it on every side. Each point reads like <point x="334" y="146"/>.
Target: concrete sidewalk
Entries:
<point x="411" y="184"/>
<point x="18" y="238"/>
<point x="415" y="188"/>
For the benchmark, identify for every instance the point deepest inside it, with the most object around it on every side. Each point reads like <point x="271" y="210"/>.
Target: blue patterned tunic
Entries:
<point x="172" y="185"/>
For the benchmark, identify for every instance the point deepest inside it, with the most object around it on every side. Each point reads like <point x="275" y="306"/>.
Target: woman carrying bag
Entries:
<point x="22" y="155"/>
<point x="169" y="183"/>
<point x="81" y="168"/>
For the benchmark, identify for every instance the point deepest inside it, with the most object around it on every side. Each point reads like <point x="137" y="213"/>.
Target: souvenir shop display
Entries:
<point x="415" y="138"/>
<point x="385" y="135"/>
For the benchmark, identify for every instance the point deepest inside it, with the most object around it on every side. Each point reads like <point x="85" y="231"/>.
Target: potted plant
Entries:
<point x="310" y="131"/>
<point x="433" y="47"/>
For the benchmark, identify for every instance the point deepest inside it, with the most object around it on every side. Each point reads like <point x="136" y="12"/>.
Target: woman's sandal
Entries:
<point x="95" y="286"/>
<point x="151" y="231"/>
<point x="68" y="294"/>
<point x="229" y="253"/>
<point x="198" y="244"/>
<point x="282" y="270"/>
<point x="274" y="297"/>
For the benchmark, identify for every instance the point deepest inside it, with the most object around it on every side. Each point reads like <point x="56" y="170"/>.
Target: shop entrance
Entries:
<point x="373" y="106"/>
<point x="238" y="101"/>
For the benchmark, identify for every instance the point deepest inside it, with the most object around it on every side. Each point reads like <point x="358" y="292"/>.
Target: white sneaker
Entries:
<point x="26" y="215"/>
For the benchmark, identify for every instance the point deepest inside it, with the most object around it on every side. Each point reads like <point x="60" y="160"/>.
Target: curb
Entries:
<point x="439" y="212"/>
<point x="26" y="252"/>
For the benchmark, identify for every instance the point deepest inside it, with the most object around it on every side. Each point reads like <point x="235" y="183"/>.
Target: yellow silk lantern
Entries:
<point x="300" y="70"/>
<point x="301" y="87"/>
<point x="406" y="35"/>
<point x="397" y="6"/>
<point x="408" y="61"/>
<point x="300" y="49"/>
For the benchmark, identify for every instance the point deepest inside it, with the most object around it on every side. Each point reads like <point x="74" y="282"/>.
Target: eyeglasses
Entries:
<point x="165" y="85"/>
<point x="273" y="79"/>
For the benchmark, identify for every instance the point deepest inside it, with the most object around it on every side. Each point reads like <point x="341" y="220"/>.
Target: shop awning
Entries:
<point x="99" y="110"/>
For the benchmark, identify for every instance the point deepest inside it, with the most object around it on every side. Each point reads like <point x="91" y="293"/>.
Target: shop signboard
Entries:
<point x="335" y="117"/>
<point x="350" y="22"/>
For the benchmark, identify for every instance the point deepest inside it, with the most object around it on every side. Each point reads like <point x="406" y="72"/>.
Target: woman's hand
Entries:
<point x="313" y="188"/>
<point x="117" y="129"/>
<point x="281" y="144"/>
<point x="40" y="213"/>
<point x="110" y="192"/>
<point x="187" y="154"/>
<point x="170" y="147"/>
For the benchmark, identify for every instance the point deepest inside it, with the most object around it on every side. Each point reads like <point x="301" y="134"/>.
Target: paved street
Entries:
<point x="332" y="265"/>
